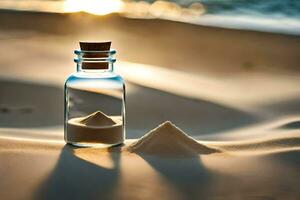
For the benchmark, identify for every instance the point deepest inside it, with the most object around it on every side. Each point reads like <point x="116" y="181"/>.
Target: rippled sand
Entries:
<point x="248" y="169"/>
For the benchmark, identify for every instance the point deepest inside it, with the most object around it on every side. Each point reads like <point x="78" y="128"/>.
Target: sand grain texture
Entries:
<point x="169" y="140"/>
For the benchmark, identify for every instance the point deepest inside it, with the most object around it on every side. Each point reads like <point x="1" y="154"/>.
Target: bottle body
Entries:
<point x="94" y="109"/>
<point x="94" y="99"/>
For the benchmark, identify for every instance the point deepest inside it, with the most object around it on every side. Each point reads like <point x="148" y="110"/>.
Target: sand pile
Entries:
<point x="95" y="128"/>
<point x="97" y="119"/>
<point x="169" y="140"/>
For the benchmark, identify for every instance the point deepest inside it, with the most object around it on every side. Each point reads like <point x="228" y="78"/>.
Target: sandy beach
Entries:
<point x="237" y="91"/>
<point x="61" y="171"/>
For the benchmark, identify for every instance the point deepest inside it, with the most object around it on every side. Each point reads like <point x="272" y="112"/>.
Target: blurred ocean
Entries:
<point x="280" y="16"/>
<point x="256" y="8"/>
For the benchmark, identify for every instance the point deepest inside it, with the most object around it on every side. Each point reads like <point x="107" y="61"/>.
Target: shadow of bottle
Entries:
<point x="185" y="174"/>
<point x="75" y="178"/>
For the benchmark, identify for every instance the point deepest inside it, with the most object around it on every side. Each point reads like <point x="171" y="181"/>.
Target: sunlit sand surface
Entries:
<point x="213" y="88"/>
<point x="252" y="163"/>
<point x="266" y="141"/>
<point x="244" y="169"/>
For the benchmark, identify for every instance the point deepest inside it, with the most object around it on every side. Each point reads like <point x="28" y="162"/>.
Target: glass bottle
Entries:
<point x="94" y="99"/>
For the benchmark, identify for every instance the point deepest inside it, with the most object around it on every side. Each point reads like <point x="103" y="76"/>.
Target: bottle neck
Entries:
<point x="109" y="68"/>
<point x="95" y="61"/>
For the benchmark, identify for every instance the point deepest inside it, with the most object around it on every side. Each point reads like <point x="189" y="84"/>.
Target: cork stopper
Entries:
<point x="95" y="46"/>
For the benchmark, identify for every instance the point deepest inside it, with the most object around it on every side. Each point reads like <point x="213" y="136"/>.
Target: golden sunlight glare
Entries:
<point x="96" y="7"/>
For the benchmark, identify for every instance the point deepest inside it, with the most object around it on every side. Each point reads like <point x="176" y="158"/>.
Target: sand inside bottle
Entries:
<point x="96" y="128"/>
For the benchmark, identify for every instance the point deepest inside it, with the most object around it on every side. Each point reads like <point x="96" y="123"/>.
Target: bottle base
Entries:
<point x="98" y="145"/>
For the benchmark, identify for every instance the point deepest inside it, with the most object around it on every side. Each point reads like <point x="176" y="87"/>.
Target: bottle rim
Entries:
<point x="94" y="56"/>
<point x="109" y="52"/>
